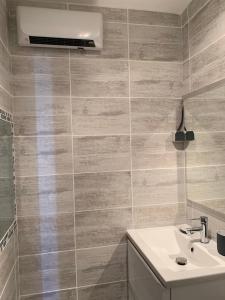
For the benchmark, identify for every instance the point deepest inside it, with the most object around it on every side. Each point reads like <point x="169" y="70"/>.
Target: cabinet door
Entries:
<point x="142" y="283"/>
<point x="208" y="290"/>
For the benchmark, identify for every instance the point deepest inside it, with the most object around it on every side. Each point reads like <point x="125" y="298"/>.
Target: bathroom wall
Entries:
<point x="204" y="36"/>
<point x="204" y="39"/>
<point x="8" y="254"/>
<point x="205" y="173"/>
<point x="94" y="152"/>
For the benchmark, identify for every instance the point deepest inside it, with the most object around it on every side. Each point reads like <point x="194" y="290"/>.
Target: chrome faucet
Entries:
<point x="203" y="229"/>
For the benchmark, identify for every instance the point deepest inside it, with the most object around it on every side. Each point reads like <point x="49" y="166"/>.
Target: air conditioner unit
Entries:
<point x="43" y="27"/>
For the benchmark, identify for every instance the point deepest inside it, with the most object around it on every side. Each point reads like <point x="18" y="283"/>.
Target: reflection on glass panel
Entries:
<point x="205" y="157"/>
<point x="7" y="197"/>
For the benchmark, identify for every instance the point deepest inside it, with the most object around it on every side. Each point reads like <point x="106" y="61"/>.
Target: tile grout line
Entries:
<point x="105" y="97"/>
<point x="202" y="51"/>
<point x="189" y="61"/>
<point x="70" y="289"/>
<point x="130" y="116"/>
<point x="95" y="136"/>
<point x="72" y="250"/>
<point x="101" y="172"/>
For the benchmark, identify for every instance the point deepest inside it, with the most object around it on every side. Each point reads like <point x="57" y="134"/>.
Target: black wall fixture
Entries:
<point x="182" y="134"/>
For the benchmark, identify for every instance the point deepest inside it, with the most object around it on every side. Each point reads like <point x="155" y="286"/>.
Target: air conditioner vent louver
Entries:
<point x="37" y="40"/>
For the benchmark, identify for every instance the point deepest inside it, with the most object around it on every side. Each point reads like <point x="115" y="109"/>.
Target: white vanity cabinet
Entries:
<point x="144" y="285"/>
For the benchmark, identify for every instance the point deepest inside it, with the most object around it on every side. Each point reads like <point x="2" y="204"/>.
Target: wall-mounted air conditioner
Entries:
<point x="43" y="27"/>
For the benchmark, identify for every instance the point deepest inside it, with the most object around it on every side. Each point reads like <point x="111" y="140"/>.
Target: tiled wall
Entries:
<point x="204" y="36"/>
<point x="205" y="172"/>
<point x="8" y="256"/>
<point x="204" y="39"/>
<point x="94" y="152"/>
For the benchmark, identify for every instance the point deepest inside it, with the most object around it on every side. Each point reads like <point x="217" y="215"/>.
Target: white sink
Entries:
<point x="161" y="246"/>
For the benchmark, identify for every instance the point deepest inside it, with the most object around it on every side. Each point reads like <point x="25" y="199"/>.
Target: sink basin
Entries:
<point x="161" y="246"/>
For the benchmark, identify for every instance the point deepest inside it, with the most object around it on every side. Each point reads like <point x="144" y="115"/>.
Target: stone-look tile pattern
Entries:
<point x="203" y="42"/>
<point x="100" y="265"/>
<point x="205" y="163"/>
<point x="47" y="272"/>
<point x="102" y="190"/>
<point x="8" y="255"/>
<point x="86" y="138"/>
<point x="8" y="280"/>
<point x="205" y="156"/>
<point x="70" y="294"/>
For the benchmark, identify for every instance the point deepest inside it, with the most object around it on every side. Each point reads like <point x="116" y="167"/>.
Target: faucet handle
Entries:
<point x="203" y="219"/>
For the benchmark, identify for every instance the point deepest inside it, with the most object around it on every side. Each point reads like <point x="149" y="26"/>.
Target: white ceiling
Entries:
<point x="170" y="6"/>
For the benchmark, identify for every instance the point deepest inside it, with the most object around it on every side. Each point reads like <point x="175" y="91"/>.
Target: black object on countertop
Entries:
<point x="221" y="242"/>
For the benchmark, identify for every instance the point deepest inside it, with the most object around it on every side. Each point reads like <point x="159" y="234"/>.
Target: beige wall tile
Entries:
<point x="109" y="14"/>
<point x="195" y="6"/>
<point x="158" y="186"/>
<point x="41" y="106"/>
<point x="3" y="27"/>
<point x="153" y="18"/>
<point x="7" y="261"/>
<point x="154" y="115"/>
<point x="10" y="291"/>
<point x="212" y="74"/>
<point x="4" y="57"/>
<point x="54" y="66"/>
<point x="44" y="125"/>
<point x="185" y="49"/>
<point x="5" y="79"/>
<point x="102" y="227"/>
<point x="155" y="43"/>
<point x="156" y="79"/>
<point x="99" y="78"/>
<point x="5" y="100"/>
<point x="100" y="116"/>
<point x="102" y="190"/>
<point x="7" y="208"/>
<point x="40" y="85"/>
<point x="207" y="149"/>
<point x="152" y="151"/>
<point x="184" y="17"/>
<point x="102" y="153"/>
<point x="43" y="155"/>
<point x="208" y="59"/>
<point x="59" y="295"/>
<point x="115" y="39"/>
<point x="159" y="215"/>
<point x="186" y="78"/>
<point x="46" y="234"/>
<point x="102" y="265"/>
<point x="44" y="195"/>
<point x="204" y="183"/>
<point x="47" y="272"/>
<point x="207" y="26"/>
<point x="205" y="115"/>
<point x="111" y="291"/>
